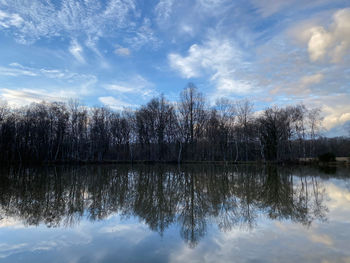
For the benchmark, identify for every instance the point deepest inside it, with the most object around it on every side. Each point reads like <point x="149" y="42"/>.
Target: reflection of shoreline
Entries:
<point x="190" y="196"/>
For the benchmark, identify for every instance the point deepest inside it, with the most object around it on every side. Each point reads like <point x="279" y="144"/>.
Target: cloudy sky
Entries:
<point x="121" y="53"/>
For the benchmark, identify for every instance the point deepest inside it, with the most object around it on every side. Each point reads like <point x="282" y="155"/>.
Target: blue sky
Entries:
<point x="121" y="53"/>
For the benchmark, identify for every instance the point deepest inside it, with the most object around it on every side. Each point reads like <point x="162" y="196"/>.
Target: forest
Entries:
<point x="189" y="130"/>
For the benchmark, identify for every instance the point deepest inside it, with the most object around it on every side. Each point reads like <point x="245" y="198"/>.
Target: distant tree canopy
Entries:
<point x="189" y="130"/>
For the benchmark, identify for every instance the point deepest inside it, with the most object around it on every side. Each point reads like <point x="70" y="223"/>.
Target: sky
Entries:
<point x="122" y="53"/>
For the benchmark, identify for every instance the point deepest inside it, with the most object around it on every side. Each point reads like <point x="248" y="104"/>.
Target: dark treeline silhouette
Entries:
<point x="188" y="130"/>
<point x="190" y="197"/>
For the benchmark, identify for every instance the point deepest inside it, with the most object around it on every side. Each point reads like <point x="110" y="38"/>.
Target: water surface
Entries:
<point x="193" y="213"/>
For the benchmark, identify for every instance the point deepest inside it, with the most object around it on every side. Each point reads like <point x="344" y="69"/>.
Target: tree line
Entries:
<point x="188" y="130"/>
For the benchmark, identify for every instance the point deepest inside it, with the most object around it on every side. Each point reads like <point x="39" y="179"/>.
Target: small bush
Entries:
<point x="327" y="157"/>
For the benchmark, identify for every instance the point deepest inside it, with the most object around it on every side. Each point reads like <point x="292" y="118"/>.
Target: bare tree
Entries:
<point x="314" y="125"/>
<point x="193" y="115"/>
<point x="225" y="113"/>
<point x="244" y="116"/>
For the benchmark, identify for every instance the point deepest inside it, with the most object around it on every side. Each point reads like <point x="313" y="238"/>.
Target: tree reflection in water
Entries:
<point x="191" y="196"/>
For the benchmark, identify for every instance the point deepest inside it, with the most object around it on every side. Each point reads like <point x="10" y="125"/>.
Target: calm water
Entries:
<point x="174" y="214"/>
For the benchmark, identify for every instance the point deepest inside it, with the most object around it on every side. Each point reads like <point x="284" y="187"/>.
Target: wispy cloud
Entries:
<point x="163" y="10"/>
<point x="62" y="86"/>
<point x="122" y="51"/>
<point x="71" y="16"/>
<point x="212" y="5"/>
<point x="301" y="87"/>
<point x="121" y="89"/>
<point x="36" y="19"/>
<point x="15" y="70"/>
<point x="115" y="103"/>
<point x="77" y="51"/>
<point x="143" y="35"/>
<point x="10" y="20"/>
<point x="267" y="8"/>
<point x="216" y="57"/>
<point x="27" y="96"/>
<point x="134" y="85"/>
<point x="306" y="81"/>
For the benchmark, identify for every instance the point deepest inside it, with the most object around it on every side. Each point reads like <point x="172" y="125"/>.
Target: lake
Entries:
<point x="165" y="213"/>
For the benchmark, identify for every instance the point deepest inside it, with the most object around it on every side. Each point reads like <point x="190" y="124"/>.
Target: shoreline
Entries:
<point x="341" y="162"/>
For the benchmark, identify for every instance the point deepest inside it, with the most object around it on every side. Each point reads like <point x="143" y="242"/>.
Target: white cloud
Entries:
<point x="133" y="233"/>
<point x="309" y="80"/>
<point x="122" y="51"/>
<point x="173" y="14"/>
<point x="119" y="88"/>
<point x="187" y="29"/>
<point x="322" y="239"/>
<point x="77" y="51"/>
<point x="339" y="199"/>
<point x="212" y="5"/>
<point x="128" y="93"/>
<point x="268" y="7"/>
<point x="227" y="85"/>
<point x="115" y="104"/>
<point x="214" y="55"/>
<point x="333" y="43"/>
<point x="63" y="85"/>
<point x="188" y="66"/>
<point x="8" y="249"/>
<point x="218" y="58"/>
<point x="26" y="96"/>
<point x="78" y="19"/>
<point x="50" y="240"/>
<point x="143" y="35"/>
<point x="92" y="44"/>
<point x="163" y="10"/>
<point x="10" y="20"/>
<point x="319" y="41"/>
<point x="336" y="109"/>
<point x="302" y="87"/>
<point x="134" y="85"/>
<point x="15" y="72"/>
